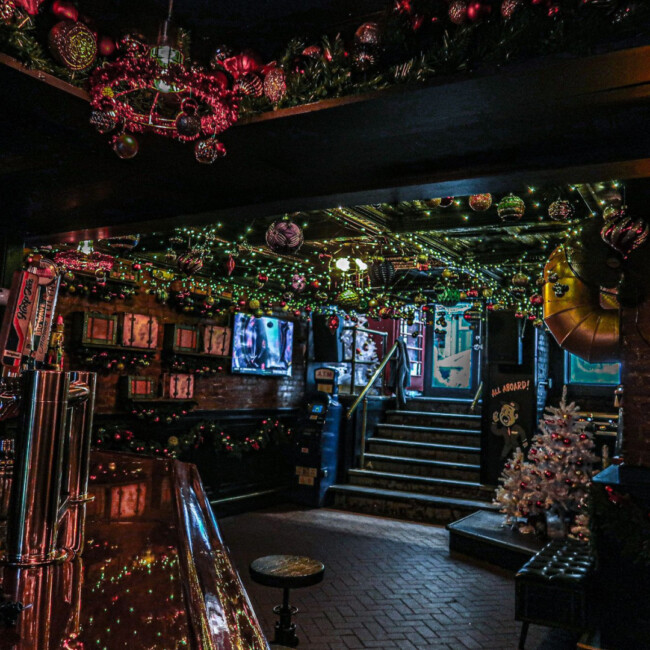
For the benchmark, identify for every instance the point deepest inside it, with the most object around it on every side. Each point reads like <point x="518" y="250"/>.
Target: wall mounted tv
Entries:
<point x="261" y="346"/>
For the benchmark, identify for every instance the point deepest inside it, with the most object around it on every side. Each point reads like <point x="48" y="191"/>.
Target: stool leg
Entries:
<point x="522" y="636"/>
<point x="285" y="630"/>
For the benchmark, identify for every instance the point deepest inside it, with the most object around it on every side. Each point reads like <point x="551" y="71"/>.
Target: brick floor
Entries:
<point x="388" y="584"/>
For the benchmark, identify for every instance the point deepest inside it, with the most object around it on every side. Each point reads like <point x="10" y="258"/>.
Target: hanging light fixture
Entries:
<point x="150" y="89"/>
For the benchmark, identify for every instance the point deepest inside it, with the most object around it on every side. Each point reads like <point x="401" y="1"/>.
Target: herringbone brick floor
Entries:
<point x="388" y="584"/>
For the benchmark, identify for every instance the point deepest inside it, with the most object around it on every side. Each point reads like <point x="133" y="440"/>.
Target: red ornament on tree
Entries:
<point x="458" y="12"/>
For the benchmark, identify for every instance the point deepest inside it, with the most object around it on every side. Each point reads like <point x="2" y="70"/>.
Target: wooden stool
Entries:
<point x="286" y="572"/>
<point x="552" y="588"/>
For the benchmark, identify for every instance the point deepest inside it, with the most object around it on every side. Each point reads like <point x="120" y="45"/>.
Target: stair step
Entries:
<point x="427" y="450"/>
<point x="443" y="404"/>
<point x="435" y="414"/>
<point x="420" y="484"/>
<point x="404" y="505"/>
<point x="444" y="435"/>
<point x="422" y="467"/>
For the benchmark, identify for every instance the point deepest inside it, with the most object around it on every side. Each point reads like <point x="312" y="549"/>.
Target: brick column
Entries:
<point x="636" y="380"/>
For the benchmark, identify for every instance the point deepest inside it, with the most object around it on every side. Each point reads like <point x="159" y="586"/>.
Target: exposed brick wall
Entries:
<point x="223" y="391"/>
<point x="636" y="379"/>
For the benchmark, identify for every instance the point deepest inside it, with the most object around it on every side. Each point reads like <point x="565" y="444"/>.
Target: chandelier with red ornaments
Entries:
<point x="151" y="89"/>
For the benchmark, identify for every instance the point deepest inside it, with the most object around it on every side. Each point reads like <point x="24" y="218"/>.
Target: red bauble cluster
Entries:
<point x="137" y="93"/>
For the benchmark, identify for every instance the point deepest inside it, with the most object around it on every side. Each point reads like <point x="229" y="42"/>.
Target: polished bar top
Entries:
<point x="154" y="573"/>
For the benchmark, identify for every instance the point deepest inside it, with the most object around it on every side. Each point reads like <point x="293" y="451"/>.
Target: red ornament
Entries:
<point x="446" y="201"/>
<point x="458" y="12"/>
<point x="480" y="202"/>
<point x="242" y="64"/>
<point x="537" y="300"/>
<point x="230" y="264"/>
<point x="125" y="146"/>
<point x="30" y="6"/>
<point x="275" y="85"/>
<point x="624" y="234"/>
<point x="508" y="8"/>
<point x="73" y="45"/>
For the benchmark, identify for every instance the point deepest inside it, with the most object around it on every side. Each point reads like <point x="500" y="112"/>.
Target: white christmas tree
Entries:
<point x="556" y="475"/>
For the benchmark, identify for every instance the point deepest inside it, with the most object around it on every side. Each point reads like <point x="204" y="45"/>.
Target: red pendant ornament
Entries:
<point x="560" y="210"/>
<point x="275" y="85"/>
<point x="458" y="12"/>
<point x="191" y="262"/>
<point x="284" y="237"/>
<point x="230" y="264"/>
<point x="624" y="234"/>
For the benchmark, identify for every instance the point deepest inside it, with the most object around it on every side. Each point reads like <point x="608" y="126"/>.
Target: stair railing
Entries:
<point x="477" y="397"/>
<point x="362" y="398"/>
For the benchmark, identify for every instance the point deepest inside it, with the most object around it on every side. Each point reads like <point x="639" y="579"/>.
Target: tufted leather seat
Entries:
<point x="552" y="588"/>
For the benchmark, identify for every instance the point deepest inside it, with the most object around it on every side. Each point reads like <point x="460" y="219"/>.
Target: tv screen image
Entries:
<point x="262" y="345"/>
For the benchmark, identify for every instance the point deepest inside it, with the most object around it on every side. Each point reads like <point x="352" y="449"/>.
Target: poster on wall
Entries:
<point x="508" y="420"/>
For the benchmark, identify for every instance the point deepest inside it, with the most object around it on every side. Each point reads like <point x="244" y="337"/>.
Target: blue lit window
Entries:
<point x="579" y="371"/>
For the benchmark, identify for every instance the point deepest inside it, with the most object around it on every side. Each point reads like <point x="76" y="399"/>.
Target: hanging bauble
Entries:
<point x="133" y="43"/>
<point x="448" y="274"/>
<point x="422" y="262"/>
<point x="275" y="85"/>
<point x="381" y="272"/>
<point x="73" y="45"/>
<point x="520" y="279"/>
<point x="487" y="292"/>
<point x="560" y="210"/>
<point x="446" y="201"/>
<point x="298" y="282"/>
<point x="284" y="237"/>
<point x="190" y="262"/>
<point x="511" y="208"/>
<point x="610" y="212"/>
<point x="262" y="278"/>
<point x="207" y="151"/>
<point x="250" y="84"/>
<point x="188" y="125"/>
<point x="368" y="34"/>
<point x="624" y="234"/>
<point x="7" y="10"/>
<point x="347" y="299"/>
<point x="536" y="299"/>
<point x="508" y="8"/>
<point x="458" y="11"/>
<point x="230" y="264"/>
<point x="104" y="121"/>
<point x="432" y="203"/>
<point x="364" y="57"/>
<point x="254" y="304"/>
<point x="125" y="145"/>
<point x="123" y="244"/>
<point x="480" y="202"/>
<point x="611" y="197"/>
<point x="449" y="297"/>
<point x="162" y="295"/>
<point x="472" y="293"/>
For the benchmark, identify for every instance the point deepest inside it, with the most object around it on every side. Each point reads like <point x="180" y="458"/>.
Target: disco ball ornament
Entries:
<point x="381" y="273"/>
<point x="284" y="237"/>
<point x="190" y="262"/>
<point x="207" y="151"/>
<point x="560" y="210"/>
<point x="368" y="34"/>
<point x="275" y="85"/>
<point x="480" y="202"/>
<point x="623" y="233"/>
<point x="104" y="121"/>
<point x="73" y="45"/>
<point x="511" y="208"/>
<point x="348" y="299"/>
<point x="508" y="8"/>
<point x="298" y="282"/>
<point x="458" y="12"/>
<point x="125" y="146"/>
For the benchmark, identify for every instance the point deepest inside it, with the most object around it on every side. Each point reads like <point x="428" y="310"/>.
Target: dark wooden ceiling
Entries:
<point x="497" y="132"/>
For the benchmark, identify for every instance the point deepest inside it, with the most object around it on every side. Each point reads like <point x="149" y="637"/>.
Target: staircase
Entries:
<point x="421" y="464"/>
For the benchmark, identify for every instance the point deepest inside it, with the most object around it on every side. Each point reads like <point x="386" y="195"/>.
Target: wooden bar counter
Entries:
<point x="154" y="573"/>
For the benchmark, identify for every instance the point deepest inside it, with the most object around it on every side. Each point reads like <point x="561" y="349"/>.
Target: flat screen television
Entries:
<point x="262" y="345"/>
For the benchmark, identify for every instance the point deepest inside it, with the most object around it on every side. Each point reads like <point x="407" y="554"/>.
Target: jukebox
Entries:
<point x="318" y="441"/>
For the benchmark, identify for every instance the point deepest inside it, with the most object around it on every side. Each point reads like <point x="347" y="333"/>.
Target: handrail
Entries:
<point x="372" y="380"/>
<point x="479" y="390"/>
<point x="366" y="330"/>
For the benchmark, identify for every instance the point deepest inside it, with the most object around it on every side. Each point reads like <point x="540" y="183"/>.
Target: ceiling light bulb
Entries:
<point x="343" y="264"/>
<point x="361" y="264"/>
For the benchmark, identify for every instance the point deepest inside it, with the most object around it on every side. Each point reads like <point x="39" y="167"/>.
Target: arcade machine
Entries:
<point x="318" y="442"/>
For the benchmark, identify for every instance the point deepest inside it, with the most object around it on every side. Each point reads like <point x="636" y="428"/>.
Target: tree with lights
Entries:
<point x="555" y="477"/>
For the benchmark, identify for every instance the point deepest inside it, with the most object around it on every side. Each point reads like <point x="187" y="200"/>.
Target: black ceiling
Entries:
<point x="265" y="25"/>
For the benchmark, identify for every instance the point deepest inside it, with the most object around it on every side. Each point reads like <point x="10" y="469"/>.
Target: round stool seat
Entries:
<point x="287" y="571"/>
